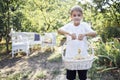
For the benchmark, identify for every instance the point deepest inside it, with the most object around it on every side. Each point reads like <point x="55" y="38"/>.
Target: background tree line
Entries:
<point x="48" y="15"/>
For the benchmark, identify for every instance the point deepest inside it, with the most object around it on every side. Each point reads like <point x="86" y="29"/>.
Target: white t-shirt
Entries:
<point x="73" y="45"/>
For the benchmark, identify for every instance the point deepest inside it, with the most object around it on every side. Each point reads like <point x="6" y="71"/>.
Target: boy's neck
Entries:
<point x="76" y="24"/>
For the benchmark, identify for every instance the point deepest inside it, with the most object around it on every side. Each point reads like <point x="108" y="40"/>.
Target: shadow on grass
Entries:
<point x="7" y="60"/>
<point x="55" y="57"/>
<point x="39" y="59"/>
<point x="47" y="60"/>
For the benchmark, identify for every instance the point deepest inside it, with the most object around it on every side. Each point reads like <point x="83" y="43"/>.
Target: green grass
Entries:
<point x="55" y="72"/>
<point x="54" y="57"/>
<point x="3" y="52"/>
<point x="17" y="76"/>
<point x="41" y="75"/>
<point x="3" y="48"/>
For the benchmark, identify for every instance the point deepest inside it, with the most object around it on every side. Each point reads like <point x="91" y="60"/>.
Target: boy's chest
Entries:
<point x="77" y="30"/>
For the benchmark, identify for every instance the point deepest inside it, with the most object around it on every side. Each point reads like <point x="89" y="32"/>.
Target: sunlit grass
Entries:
<point x="3" y="52"/>
<point x="41" y="75"/>
<point x="17" y="76"/>
<point x="55" y="57"/>
<point x="2" y="48"/>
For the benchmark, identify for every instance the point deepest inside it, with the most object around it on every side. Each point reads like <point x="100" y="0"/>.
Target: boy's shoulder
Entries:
<point x="84" y="23"/>
<point x="68" y="24"/>
<point x="71" y="24"/>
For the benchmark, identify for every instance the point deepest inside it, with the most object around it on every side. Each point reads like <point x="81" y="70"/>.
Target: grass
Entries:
<point x="3" y="48"/>
<point x="55" y="72"/>
<point x="41" y="75"/>
<point x="17" y="76"/>
<point x="3" y="53"/>
<point x="13" y="75"/>
<point x="55" y="57"/>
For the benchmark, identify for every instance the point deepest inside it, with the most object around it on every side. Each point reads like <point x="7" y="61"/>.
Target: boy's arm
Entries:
<point x="81" y="36"/>
<point x="89" y="31"/>
<point x="63" y="32"/>
<point x="92" y="34"/>
<point x="67" y="33"/>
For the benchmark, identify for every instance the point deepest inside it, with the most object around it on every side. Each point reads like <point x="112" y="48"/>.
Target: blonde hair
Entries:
<point x="76" y="8"/>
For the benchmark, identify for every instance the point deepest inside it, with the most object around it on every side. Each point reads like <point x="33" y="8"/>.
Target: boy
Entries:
<point x="76" y="32"/>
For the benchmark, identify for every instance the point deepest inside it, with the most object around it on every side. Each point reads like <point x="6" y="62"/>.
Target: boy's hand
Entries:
<point x="81" y="36"/>
<point x="73" y="35"/>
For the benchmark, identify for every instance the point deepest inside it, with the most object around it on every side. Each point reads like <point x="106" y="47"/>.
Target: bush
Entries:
<point x="108" y="54"/>
<point x="110" y="32"/>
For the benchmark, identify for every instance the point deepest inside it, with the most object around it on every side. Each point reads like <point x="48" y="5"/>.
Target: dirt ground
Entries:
<point x="37" y="66"/>
<point x="38" y="63"/>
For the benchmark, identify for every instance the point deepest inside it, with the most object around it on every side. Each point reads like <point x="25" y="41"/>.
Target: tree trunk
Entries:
<point x="7" y="28"/>
<point x="7" y="44"/>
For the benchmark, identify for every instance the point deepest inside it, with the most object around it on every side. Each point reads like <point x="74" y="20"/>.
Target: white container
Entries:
<point x="82" y="64"/>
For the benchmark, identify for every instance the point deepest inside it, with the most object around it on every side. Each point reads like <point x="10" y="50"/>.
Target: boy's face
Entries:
<point x="76" y="17"/>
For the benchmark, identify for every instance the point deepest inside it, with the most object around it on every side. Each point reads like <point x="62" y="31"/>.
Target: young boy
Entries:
<point x="76" y="32"/>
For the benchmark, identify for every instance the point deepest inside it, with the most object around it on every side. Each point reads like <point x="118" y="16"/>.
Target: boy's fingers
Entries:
<point x="73" y="36"/>
<point x="81" y="36"/>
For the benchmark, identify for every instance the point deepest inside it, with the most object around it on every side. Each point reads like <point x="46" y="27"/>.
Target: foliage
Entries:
<point x="49" y="15"/>
<point x="111" y="32"/>
<point x="108" y="54"/>
<point x="106" y="18"/>
<point x="7" y="7"/>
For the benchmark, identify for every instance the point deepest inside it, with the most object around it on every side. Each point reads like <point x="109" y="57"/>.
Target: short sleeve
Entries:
<point x="65" y="28"/>
<point x="88" y="28"/>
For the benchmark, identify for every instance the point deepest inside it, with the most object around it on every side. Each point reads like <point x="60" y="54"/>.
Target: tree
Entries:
<point x="5" y="20"/>
<point x="107" y="18"/>
<point x="7" y="9"/>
